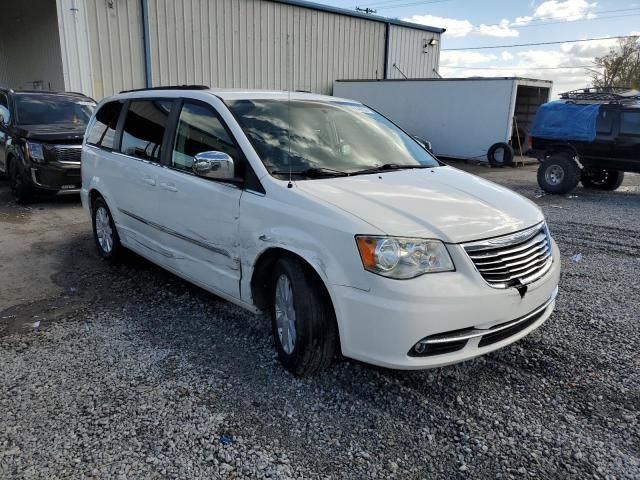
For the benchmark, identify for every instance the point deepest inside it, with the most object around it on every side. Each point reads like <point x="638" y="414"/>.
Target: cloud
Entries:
<point x="541" y="63"/>
<point x="519" y="21"/>
<point x="499" y="30"/>
<point x="455" y="28"/>
<point x="568" y="10"/>
<point x="462" y="58"/>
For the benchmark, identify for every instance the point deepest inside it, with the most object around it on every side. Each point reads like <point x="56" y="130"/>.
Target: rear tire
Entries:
<point x="558" y="174"/>
<point x="497" y="160"/>
<point x="20" y="187"/>
<point x="602" y="179"/>
<point x="304" y="327"/>
<point x="104" y="231"/>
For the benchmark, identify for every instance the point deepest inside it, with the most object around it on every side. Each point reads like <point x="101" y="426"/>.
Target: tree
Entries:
<point x="621" y="66"/>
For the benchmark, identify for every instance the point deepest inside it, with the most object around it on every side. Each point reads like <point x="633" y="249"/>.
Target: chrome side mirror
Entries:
<point x="215" y="165"/>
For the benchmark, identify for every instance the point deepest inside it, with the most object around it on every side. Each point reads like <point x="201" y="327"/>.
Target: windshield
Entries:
<point x="38" y="109"/>
<point x="340" y="136"/>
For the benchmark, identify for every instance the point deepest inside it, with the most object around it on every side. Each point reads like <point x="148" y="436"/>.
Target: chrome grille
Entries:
<point x="66" y="153"/>
<point x="512" y="260"/>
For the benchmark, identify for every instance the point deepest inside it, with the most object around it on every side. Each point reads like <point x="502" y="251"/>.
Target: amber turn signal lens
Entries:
<point x="367" y="248"/>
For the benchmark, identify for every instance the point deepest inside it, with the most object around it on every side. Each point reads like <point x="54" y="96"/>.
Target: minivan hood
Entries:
<point x="443" y="202"/>
<point x="52" y="133"/>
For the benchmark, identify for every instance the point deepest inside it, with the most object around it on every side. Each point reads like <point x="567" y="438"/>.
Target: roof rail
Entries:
<point x="601" y="95"/>
<point x="169" y="87"/>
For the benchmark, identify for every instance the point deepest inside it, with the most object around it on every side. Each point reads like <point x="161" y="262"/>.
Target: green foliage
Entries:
<point x="621" y="66"/>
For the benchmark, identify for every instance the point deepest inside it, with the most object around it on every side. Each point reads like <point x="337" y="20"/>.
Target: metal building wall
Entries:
<point x="29" y="46"/>
<point x="407" y="52"/>
<point x="115" y="45"/>
<point x="5" y="68"/>
<point x="74" y="41"/>
<point x="260" y="44"/>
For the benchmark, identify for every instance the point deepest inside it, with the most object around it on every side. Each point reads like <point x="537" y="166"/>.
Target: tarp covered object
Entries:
<point x="566" y="121"/>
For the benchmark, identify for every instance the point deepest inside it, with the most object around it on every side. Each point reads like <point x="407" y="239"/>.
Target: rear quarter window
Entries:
<point x="604" y="122"/>
<point x="630" y="123"/>
<point x="103" y="131"/>
<point x="144" y="128"/>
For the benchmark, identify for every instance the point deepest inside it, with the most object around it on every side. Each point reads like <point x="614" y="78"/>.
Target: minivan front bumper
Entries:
<point x="381" y="326"/>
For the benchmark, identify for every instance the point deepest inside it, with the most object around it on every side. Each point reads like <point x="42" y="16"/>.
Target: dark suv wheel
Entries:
<point x="20" y="187"/>
<point x="602" y="179"/>
<point x="304" y="325"/>
<point x="558" y="173"/>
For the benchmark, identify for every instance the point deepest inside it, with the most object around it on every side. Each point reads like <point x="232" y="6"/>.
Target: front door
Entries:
<point x="201" y="215"/>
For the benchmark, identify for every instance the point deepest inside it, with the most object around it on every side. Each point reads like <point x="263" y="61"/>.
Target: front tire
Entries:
<point x="602" y="179"/>
<point x="303" y="321"/>
<point x="20" y="187"/>
<point x="558" y="174"/>
<point x="104" y="231"/>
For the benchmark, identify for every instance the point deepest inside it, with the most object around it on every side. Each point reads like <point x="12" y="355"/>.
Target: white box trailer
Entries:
<point x="461" y="117"/>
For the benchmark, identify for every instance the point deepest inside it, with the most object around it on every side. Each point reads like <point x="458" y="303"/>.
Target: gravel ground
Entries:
<point x="133" y="373"/>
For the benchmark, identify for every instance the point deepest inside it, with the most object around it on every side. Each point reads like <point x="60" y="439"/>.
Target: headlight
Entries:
<point x="403" y="258"/>
<point x="35" y="152"/>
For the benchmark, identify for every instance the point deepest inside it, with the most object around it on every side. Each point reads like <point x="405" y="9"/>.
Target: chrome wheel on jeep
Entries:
<point x="558" y="173"/>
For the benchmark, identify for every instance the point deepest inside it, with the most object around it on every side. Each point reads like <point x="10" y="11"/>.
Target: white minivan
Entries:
<point x="323" y="213"/>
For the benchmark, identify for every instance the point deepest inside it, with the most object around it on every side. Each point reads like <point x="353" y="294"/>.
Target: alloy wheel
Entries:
<point x="104" y="233"/>
<point x="285" y="314"/>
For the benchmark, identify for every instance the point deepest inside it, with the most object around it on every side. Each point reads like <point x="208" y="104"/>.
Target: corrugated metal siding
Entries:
<point x="260" y="44"/>
<point x="74" y="40"/>
<point x="116" y="49"/>
<point x="5" y="78"/>
<point x="407" y="52"/>
<point x="30" y="60"/>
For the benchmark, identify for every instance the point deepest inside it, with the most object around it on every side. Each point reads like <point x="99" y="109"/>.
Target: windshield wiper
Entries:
<point x="313" y="172"/>
<point x="389" y="166"/>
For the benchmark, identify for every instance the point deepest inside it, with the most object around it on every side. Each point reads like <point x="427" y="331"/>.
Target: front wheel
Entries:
<point x="303" y="321"/>
<point x="20" y="187"/>
<point x="602" y="179"/>
<point x="104" y="231"/>
<point x="558" y="174"/>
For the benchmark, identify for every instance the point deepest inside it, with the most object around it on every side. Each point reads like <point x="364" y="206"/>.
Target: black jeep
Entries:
<point x="41" y="139"/>
<point x="589" y="136"/>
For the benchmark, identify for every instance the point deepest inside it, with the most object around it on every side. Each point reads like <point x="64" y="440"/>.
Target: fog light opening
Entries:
<point x="420" y="348"/>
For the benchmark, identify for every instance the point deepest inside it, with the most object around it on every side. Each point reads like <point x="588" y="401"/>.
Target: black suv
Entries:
<point x="41" y="139"/>
<point x="599" y="160"/>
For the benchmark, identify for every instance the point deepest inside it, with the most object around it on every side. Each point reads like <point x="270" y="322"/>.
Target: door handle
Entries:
<point x="149" y="181"/>
<point x="169" y="187"/>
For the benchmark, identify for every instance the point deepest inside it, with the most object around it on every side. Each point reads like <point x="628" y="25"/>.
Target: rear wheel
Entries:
<point x="104" y="231"/>
<point x="303" y="322"/>
<point x="558" y="174"/>
<point x="602" y="179"/>
<point x="20" y="187"/>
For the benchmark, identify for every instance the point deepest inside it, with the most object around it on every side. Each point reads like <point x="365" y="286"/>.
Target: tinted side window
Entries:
<point x="4" y="107"/>
<point x="144" y="128"/>
<point x="199" y="130"/>
<point x="604" y="123"/>
<point x="103" y="130"/>
<point x="630" y="123"/>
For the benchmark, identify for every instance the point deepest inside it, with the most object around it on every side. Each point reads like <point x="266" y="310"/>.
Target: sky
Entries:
<point x="476" y="23"/>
